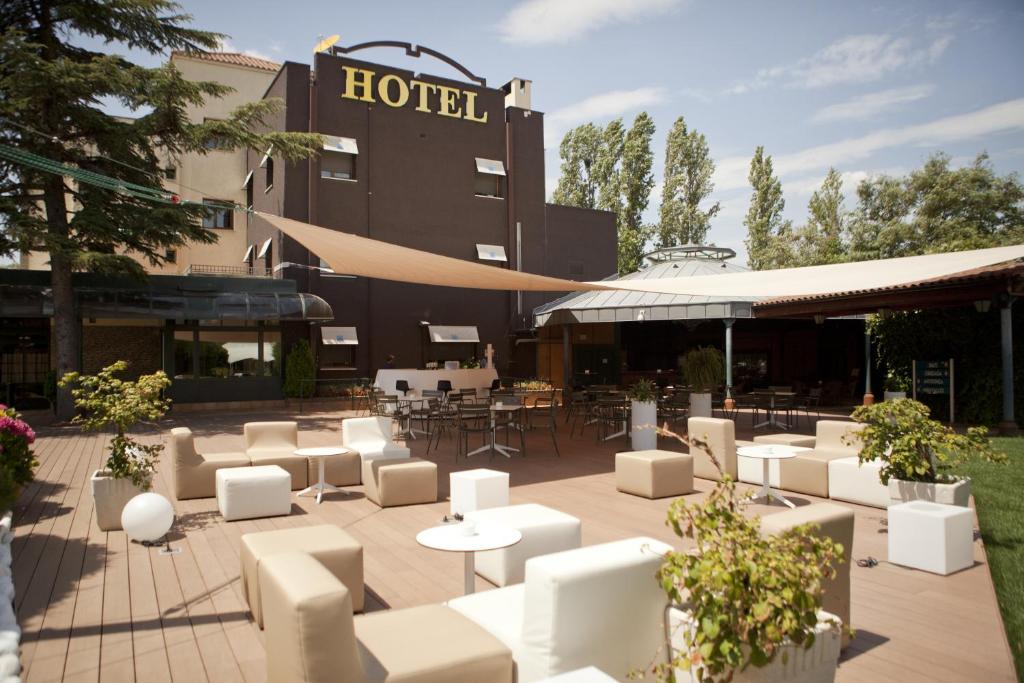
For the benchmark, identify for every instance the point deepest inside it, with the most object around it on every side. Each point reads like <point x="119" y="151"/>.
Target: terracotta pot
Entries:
<point x="952" y="493"/>
<point x="109" y="497"/>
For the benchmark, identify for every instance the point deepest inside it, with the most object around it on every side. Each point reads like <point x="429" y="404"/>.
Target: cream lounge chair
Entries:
<point x="312" y="637"/>
<point x="371" y="438"/>
<point x="275" y="443"/>
<point x="195" y="473"/>
<point x="720" y="436"/>
<point x="807" y="472"/>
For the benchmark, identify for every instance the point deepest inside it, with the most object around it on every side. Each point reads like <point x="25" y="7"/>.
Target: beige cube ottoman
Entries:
<point x="335" y="549"/>
<point x="654" y="474"/>
<point x="400" y="481"/>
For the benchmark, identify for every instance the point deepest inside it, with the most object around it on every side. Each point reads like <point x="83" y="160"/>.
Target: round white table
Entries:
<point x="452" y="538"/>
<point x="765" y="453"/>
<point x="493" y="446"/>
<point x="320" y="453"/>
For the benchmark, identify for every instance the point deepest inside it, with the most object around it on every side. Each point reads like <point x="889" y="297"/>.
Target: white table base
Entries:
<point x="768" y="493"/>
<point x="494" y="446"/>
<point x="321" y="486"/>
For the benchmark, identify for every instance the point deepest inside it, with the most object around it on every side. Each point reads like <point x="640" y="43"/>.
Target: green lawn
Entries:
<point x="999" y="495"/>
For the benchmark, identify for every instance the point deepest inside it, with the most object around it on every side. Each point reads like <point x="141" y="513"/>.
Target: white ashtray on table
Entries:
<point x="468" y="538"/>
<point x="320" y="454"/>
<point x="766" y="453"/>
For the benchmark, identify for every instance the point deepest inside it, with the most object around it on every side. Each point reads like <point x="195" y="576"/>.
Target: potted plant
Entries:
<point x="17" y="462"/>
<point x="896" y="386"/>
<point x="703" y="369"/>
<point x="644" y="435"/>
<point x="746" y="606"/>
<point x="104" y="400"/>
<point x="918" y="453"/>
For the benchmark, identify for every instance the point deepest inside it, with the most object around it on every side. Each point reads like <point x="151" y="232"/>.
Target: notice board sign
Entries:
<point x="934" y="378"/>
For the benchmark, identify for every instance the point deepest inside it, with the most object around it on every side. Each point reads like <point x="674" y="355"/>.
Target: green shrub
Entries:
<point x="299" y="370"/>
<point x="104" y="400"/>
<point x="643" y="391"/>
<point x="17" y="462"/>
<point x="703" y="368"/>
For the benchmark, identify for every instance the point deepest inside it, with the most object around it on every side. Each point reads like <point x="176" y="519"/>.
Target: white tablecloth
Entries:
<point x="479" y="378"/>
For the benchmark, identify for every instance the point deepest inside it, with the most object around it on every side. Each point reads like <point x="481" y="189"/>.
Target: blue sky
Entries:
<point x="865" y="87"/>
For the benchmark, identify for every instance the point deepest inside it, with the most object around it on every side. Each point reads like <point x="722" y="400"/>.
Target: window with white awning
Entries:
<point x="333" y="143"/>
<point x="339" y="336"/>
<point x="453" y="334"/>
<point x="490" y="166"/>
<point x="491" y="252"/>
<point x="489" y="180"/>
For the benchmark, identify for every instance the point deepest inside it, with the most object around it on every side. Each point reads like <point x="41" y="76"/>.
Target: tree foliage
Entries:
<point x="769" y="235"/>
<point x="17" y="461"/>
<point x="52" y="91"/>
<point x="636" y="182"/>
<point x="299" y="370"/>
<point x="823" y="238"/>
<point x="687" y="183"/>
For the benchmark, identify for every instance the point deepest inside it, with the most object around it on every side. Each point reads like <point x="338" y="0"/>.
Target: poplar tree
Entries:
<point x="688" y="172"/>
<point x="580" y="150"/>
<point x="821" y="240"/>
<point x="769" y="236"/>
<point x="637" y="180"/>
<point x="52" y="86"/>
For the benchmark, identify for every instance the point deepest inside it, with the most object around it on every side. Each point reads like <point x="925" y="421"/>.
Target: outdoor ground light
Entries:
<point x="147" y="518"/>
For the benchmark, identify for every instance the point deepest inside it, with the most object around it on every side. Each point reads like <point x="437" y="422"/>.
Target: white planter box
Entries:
<point x="890" y="395"/>
<point x="815" y="665"/>
<point x="700" y="405"/>
<point x="645" y="413"/>
<point x="956" y="493"/>
<point x="109" y="497"/>
<point x="933" y="537"/>
<point x="856" y="482"/>
<point x="477" y="490"/>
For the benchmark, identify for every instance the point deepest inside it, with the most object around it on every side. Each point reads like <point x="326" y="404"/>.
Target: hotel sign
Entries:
<point x="364" y="85"/>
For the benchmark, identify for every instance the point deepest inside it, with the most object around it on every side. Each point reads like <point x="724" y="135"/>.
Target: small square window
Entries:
<point x="171" y="256"/>
<point x="219" y="215"/>
<point x="338" y="165"/>
<point x="488" y="185"/>
<point x="170" y="173"/>
<point x="215" y="142"/>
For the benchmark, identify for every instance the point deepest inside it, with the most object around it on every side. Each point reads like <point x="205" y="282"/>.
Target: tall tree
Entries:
<point x="583" y="162"/>
<point x="821" y="239"/>
<point x="51" y="89"/>
<point x="688" y="172"/>
<point x="606" y="171"/>
<point x="636" y="180"/>
<point x="769" y="236"/>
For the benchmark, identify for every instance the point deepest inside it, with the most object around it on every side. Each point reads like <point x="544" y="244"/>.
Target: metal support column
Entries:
<point x="869" y="398"/>
<point x="1008" y="425"/>
<point x="728" y="356"/>
<point x="567" y="377"/>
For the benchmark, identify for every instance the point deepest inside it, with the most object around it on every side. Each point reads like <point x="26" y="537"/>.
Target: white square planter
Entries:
<point x="955" y="493"/>
<point x="933" y="537"/>
<point x="109" y="497"/>
<point x="477" y="490"/>
<point x="856" y="482"/>
<point x="646" y="413"/>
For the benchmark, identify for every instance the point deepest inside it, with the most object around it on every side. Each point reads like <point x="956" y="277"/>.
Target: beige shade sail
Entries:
<point x="830" y="279"/>
<point x="355" y="255"/>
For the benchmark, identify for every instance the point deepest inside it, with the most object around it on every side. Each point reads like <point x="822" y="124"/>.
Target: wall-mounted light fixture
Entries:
<point x="819" y="318"/>
<point x="983" y="305"/>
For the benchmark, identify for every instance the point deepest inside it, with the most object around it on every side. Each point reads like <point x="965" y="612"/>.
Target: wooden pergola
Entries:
<point x="986" y="287"/>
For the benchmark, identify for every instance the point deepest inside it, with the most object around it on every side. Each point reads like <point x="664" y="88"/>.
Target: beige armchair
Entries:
<point x="835" y="522"/>
<point x="195" y="473"/>
<point x="275" y="443"/>
<point x="312" y="637"/>
<point x="720" y="436"/>
<point x="807" y="472"/>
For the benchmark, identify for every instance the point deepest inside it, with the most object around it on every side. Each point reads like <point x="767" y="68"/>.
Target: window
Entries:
<point x="338" y="165"/>
<point x="170" y="173"/>
<point x="184" y="357"/>
<point x="267" y="164"/>
<point x="247" y="186"/>
<point x="215" y="141"/>
<point x="219" y="215"/>
<point x="171" y="256"/>
<point x="490" y="178"/>
<point x="224" y="353"/>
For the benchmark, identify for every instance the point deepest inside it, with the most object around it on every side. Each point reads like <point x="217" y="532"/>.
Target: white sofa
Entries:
<point x="854" y="482"/>
<point x="596" y="606"/>
<point x="545" y="531"/>
<point x="371" y="438"/>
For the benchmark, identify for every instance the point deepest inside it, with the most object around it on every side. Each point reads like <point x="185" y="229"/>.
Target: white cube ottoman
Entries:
<point x="930" y="536"/>
<point x="590" y="674"/>
<point x="477" y="490"/>
<point x="854" y="482"/>
<point x="544" y="531"/>
<point x="250" y="492"/>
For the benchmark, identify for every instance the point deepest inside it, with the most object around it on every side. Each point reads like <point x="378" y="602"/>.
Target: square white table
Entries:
<point x="477" y="489"/>
<point x="930" y="536"/>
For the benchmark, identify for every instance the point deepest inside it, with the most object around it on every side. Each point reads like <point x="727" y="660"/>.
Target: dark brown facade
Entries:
<point x="416" y="184"/>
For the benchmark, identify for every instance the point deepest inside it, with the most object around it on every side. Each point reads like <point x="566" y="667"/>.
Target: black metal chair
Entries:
<point x="544" y="409"/>
<point x="469" y="420"/>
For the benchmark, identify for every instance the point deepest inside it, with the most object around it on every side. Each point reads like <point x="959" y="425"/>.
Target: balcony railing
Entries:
<point x="229" y="271"/>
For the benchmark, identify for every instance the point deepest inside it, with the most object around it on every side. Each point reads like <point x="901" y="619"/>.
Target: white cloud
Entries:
<point x="871" y="104"/>
<point x="854" y="59"/>
<point x="1006" y="116"/>
<point x="599" y="108"/>
<point x="534" y="22"/>
<point x="227" y="46"/>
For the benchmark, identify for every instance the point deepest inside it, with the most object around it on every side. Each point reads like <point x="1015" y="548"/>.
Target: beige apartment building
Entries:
<point x="218" y="176"/>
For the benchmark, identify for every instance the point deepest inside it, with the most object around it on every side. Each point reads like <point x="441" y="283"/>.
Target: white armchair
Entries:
<point x="595" y="606"/>
<point x="371" y="438"/>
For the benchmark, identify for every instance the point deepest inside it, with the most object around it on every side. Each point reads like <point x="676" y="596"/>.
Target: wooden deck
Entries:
<point x="95" y="607"/>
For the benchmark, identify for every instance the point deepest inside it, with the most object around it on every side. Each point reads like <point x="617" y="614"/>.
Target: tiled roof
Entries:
<point x="236" y="58"/>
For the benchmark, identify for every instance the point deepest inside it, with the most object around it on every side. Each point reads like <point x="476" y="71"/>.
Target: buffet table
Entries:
<point x="477" y="378"/>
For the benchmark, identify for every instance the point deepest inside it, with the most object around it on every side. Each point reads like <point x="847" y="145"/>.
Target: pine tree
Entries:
<point x="637" y="179"/>
<point x="51" y="89"/>
<point x="688" y="172"/>
<point x="769" y="236"/>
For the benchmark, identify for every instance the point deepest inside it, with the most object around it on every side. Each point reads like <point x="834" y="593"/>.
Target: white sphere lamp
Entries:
<point x="147" y="517"/>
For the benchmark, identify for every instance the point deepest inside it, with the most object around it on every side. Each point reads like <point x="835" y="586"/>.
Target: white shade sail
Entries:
<point x="453" y="334"/>
<point x="491" y="252"/>
<point x="339" y="336"/>
<point x="490" y="166"/>
<point x="830" y="279"/>
<point x="355" y="255"/>
<point x="334" y="143"/>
